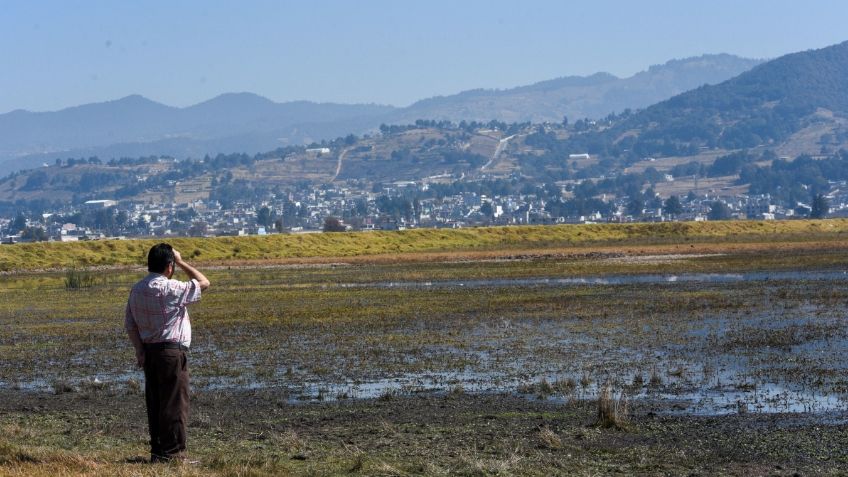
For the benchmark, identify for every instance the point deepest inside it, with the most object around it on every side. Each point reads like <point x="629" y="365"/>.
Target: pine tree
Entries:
<point x="820" y="207"/>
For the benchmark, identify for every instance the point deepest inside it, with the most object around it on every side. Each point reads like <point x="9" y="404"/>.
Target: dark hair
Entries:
<point x="159" y="257"/>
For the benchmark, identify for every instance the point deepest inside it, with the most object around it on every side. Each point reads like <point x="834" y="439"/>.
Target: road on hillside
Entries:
<point x="339" y="164"/>
<point x="498" y="150"/>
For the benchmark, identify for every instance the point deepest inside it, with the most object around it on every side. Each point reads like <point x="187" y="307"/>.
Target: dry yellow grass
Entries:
<point x="232" y="250"/>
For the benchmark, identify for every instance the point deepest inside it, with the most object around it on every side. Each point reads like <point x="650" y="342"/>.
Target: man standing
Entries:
<point x="158" y="326"/>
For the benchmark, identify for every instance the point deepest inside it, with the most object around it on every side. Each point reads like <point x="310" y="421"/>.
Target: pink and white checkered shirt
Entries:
<point x="157" y="309"/>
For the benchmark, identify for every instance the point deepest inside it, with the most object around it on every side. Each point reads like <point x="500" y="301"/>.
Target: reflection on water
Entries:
<point x="716" y="400"/>
<point x="673" y="398"/>
<point x="607" y="280"/>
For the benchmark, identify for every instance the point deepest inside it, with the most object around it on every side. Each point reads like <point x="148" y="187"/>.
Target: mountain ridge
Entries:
<point x="252" y="123"/>
<point x="576" y="98"/>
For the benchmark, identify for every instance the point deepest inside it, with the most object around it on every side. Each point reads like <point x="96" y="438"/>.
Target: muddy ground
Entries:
<point x="259" y="433"/>
<point x="721" y="362"/>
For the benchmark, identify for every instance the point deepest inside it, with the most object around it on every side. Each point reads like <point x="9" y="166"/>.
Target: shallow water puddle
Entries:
<point x="707" y="344"/>
<point x="606" y="280"/>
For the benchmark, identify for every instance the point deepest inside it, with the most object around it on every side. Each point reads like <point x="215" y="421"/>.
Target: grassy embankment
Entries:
<point x="374" y="245"/>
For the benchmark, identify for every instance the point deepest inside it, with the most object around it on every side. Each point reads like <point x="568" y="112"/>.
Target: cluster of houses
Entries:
<point x="307" y="211"/>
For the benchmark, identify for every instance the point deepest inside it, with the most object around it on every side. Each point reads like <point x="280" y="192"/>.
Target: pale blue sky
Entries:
<point x="61" y="53"/>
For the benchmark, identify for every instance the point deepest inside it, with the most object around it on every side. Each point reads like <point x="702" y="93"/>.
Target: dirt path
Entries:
<point x="498" y="150"/>
<point x="339" y="164"/>
<point x="694" y="250"/>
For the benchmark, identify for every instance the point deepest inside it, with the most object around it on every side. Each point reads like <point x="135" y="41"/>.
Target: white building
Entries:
<point x="100" y="204"/>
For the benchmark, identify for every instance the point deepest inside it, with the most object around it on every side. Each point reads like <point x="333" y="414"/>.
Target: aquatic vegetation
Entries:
<point x="613" y="412"/>
<point x="60" y="386"/>
<point x="565" y="387"/>
<point x="76" y="279"/>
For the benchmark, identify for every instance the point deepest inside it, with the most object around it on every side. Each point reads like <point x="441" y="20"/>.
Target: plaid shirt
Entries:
<point x="156" y="309"/>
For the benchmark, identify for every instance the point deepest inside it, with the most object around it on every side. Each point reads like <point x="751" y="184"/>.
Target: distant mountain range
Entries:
<point x="136" y="126"/>
<point x="244" y="122"/>
<point x="579" y="97"/>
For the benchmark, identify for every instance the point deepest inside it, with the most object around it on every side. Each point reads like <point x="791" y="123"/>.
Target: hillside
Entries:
<point x="764" y="106"/>
<point x="402" y="153"/>
<point x="508" y="158"/>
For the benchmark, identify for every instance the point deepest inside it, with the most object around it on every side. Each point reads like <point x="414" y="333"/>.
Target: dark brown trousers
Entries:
<point x="166" y="395"/>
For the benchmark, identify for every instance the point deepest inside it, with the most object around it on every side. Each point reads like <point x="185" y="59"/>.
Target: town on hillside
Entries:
<point x="428" y="174"/>
<point x="396" y="206"/>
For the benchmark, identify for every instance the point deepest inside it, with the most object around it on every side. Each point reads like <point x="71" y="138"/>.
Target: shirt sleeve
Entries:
<point x="129" y="321"/>
<point x="186" y="292"/>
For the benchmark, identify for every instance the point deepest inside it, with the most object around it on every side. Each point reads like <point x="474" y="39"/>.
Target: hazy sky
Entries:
<point x="61" y="53"/>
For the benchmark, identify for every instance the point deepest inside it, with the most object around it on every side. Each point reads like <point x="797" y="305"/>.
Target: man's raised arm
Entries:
<point x="192" y="272"/>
